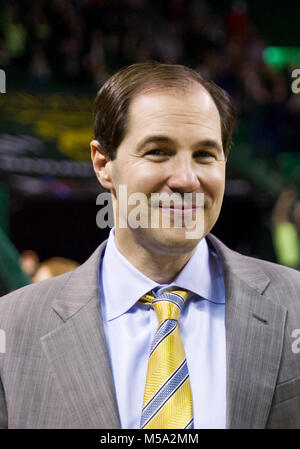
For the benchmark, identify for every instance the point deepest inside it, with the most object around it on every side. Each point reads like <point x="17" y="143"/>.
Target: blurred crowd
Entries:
<point x="81" y="43"/>
<point x="87" y="40"/>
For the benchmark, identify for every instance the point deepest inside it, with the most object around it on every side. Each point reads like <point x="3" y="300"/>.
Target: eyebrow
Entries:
<point x="205" y="143"/>
<point x="209" y="143"/>
<point x="154" y="139"/>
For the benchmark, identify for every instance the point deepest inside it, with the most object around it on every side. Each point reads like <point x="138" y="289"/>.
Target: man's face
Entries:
<point x="173" y="145"/>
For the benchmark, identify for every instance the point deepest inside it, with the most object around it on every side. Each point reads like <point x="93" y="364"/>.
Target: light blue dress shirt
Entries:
<point x="130" y="327"/>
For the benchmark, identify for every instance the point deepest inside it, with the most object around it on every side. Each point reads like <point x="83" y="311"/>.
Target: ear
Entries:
<point x="101" y="164"/>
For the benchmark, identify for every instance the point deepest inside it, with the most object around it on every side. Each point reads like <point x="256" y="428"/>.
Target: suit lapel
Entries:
<point x="77" y="353"/>
<point x="254" y="339"/>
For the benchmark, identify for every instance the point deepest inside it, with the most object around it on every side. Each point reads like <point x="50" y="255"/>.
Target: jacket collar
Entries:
<point x="76" y="293"/>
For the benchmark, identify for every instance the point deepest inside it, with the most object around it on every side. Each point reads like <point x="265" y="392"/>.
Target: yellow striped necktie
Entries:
<point x="167" y="398"/>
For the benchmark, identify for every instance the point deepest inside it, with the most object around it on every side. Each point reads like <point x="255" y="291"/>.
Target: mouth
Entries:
<point x="181" y="210"/>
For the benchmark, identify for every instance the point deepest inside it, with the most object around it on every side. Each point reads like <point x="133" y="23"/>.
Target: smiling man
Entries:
<point x="156" y="330"/>
<point x="173" y="144"/>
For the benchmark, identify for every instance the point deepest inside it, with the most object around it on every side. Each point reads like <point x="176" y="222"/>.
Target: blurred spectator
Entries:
<point x="238" y="20"/>
<point x="286" y="228"/>
<point x="15" y="34"/>
<point x="29" y="261"/>
<point x="53" y="267"/>
<point x="95" y="59"/>
<point x="293" y="106"/>
<point x="39" y="69"/>
<point x="4" y="58"/>
<point x="168" y="45"/>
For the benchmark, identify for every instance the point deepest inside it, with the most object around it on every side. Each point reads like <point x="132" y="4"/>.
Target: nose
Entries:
<point x="182" y="177"/>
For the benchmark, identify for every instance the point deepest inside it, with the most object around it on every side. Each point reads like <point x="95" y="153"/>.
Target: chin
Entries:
<point x="171" y="241"/>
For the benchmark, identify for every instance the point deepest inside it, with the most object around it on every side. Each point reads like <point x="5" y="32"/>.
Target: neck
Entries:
<point x="161" y="267"/>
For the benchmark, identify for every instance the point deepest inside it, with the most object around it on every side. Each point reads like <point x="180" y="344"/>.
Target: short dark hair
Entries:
<point x="113" y="100"/>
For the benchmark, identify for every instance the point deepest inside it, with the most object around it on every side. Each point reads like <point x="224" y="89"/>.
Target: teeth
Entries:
<point x="179" y="208"/>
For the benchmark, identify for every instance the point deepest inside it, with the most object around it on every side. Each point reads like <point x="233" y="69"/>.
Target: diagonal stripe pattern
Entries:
<point x="167" y="398"/>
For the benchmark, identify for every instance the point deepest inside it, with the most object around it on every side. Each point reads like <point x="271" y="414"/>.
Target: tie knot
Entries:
<point x="167" y="304"/>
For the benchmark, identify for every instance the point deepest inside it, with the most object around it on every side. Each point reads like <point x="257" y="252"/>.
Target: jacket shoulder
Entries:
<point x="278" y="283"/>
<point x="276" y="271"/>
<point x="39" y="294"/>
<point x="282" y="285"/>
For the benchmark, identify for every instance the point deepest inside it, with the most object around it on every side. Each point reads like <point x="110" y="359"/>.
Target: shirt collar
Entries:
<point x="201" y="275"/>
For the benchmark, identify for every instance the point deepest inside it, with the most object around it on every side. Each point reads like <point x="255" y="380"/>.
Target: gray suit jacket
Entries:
<point x="56" y="373"/>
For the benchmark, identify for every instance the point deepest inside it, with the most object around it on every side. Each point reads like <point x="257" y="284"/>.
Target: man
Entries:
<point x="154" y="315"/>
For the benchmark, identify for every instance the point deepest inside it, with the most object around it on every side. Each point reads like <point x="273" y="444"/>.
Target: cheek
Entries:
<point x="213" y="181"/>
<point x="142" y="178"/>
<point x="145" y="178"/>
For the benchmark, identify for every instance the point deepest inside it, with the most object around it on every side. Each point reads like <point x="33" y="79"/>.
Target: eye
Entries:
<point x="203" y="154"/>
<point x="155" y="152"/>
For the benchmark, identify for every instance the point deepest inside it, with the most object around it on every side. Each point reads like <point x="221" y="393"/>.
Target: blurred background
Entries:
<point x="57" y="54"/>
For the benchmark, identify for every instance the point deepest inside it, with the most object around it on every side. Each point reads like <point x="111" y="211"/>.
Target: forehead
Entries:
<point x="172" y="110"/>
